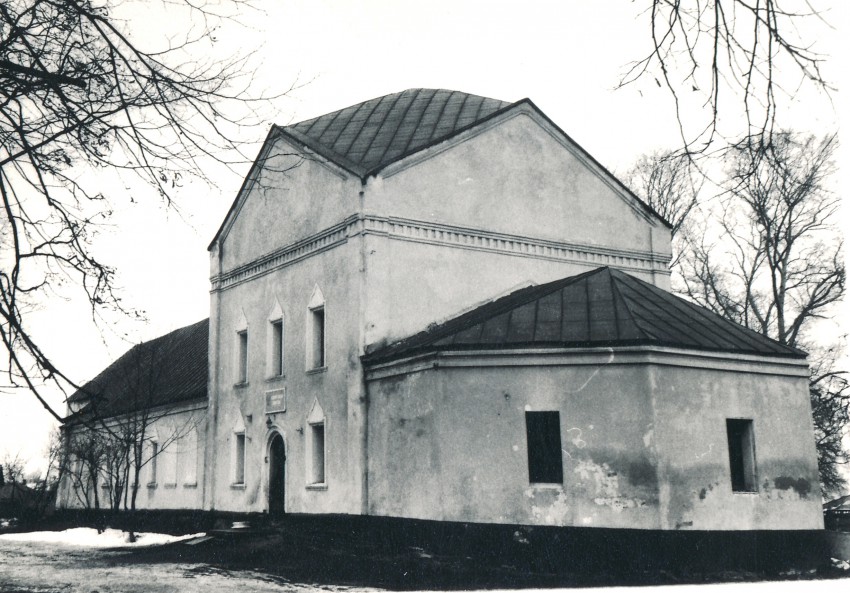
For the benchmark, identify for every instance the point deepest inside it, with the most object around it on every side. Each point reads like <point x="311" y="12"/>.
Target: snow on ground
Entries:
<point x="90" y="538"/>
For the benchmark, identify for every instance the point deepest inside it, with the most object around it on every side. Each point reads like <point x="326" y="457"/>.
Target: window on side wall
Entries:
<point x="317" y="450"/>
<point x="317" y="330"/>
<point x="277" y="348"/>
<point x="543" y="434"/>
<point x="742" y="454"/>
<point x="153" y="462"/>
<point x="239" y="458"/>
<point x="242" y="362"/>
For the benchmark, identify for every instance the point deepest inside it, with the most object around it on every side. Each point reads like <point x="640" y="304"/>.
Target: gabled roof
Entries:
<point x="839" y="504"/>
<point x="367" y="137"/>
<point x="601" y="308"/>
<point x="167" y="370"/>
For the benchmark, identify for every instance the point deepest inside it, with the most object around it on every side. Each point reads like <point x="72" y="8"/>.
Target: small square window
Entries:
<point x="543" y="434"/>
<point x="242" y="345"/>
<point x="742" y="454"/>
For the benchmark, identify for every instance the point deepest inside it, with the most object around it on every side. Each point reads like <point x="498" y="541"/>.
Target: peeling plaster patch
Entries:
<point x="590" y="427"/>
<point x="710" y="449"/>
<point x="607" y="483"/>
<point x="618" y="503"/>
<point x="586" y="520"/>
<point x="704" y="491"/>
<point x="607" y="486"/>
<point x="647" y="438"/>
<point x="515" y="447"/>
<point x="555" y="513"/>
<point x="576" y="440"/>
<point x="801" y="486"/>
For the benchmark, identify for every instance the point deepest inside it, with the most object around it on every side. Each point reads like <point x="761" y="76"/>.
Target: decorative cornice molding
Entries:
<point x="482" y="240"/>
<point x="447" y="235"/>
<point x="596" y="357"/>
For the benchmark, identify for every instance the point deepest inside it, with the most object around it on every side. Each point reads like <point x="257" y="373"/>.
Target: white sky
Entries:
<point x="566" y="56"/>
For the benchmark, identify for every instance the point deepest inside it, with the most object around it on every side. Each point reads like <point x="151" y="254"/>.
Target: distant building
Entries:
<point x="438" y="305"/>
<point x="837" y="513"/>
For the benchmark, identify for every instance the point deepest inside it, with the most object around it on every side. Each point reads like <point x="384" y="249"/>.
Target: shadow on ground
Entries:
<point x="404" y="554"/>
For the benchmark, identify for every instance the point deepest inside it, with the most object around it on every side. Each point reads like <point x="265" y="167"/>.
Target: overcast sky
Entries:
<point x="566" y="56"/>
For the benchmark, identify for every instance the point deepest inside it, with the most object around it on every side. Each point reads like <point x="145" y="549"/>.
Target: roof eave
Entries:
<point x="369" y="360"/>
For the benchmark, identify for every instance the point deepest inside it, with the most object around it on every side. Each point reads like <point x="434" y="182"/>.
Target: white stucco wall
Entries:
<point x="252" y="306"/>
<point x="690" y="408"/>
<point x="171" y="480"/>
<point x="316" y="225"/>
<point x="643" y="438"/>
<point x="515" y="175"/>
<point x="515" y="180"/>
<point x="294" y="195"/>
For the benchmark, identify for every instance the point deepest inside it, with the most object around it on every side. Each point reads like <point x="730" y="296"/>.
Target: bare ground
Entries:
<point x="343" y="555"/>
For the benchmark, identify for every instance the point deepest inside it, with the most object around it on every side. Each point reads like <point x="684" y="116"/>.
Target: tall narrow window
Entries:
<point x="239" y="458"/>
<point x="277" y="348"/>
<point x="317" y="445"/>
<point x="153" y="460"/>
<point x="543" y="433"/>
<point x="742" y="454"/>
<point x="242" y="345"/>
<point x="317" y="321"/>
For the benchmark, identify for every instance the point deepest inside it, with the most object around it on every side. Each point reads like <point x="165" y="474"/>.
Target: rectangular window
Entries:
<point x="154" y="456"/>
<point x="243" y="356"/>
<point x="742" y="454"/>
<point x="277" y="348"/>
<point x="239" y="459"/>
<point x="317" y="318"/>
<point x="543" y="434"/>
<point x="317" y="438"/>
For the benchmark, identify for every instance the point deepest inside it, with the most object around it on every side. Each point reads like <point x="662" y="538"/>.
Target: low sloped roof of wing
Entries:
<point x="601" y="308"/>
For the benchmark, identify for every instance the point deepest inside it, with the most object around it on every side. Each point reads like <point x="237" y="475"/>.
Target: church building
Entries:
<point x="437" y="305"/>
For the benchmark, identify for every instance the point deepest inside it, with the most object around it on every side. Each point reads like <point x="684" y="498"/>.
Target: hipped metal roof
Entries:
<point x="601" y="308"/>
<point x="164" y="371"/>
<point x="370" y="135"/>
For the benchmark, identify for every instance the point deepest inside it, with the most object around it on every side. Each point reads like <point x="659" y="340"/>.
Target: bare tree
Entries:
<point x="667" y="182"/>
<point x="45" y="485"/>
<point x="83" y="460"/>
<point x="768" y="255"/>
<point x="670" y="184"/>
<point x="13" y="467"/>
<point x="830" y="396"/>
<point x="80" y="101"/>
<point x="139" y="409"/>
<point x="721" y="59"/>
<point x="777" y="262"/>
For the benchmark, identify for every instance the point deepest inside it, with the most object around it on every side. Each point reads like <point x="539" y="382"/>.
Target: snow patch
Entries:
<point x="90" y="538"/>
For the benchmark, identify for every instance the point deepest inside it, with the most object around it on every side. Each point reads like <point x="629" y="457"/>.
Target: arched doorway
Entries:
<point x="277" y="475"/>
